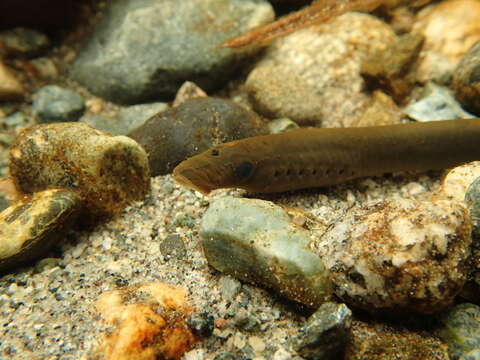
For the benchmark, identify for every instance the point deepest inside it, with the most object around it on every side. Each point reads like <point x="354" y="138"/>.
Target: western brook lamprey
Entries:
<point x="315" y="157"/>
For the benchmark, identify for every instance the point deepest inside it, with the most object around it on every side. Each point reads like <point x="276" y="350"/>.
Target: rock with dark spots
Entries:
<point x="24" y="42"/>
<point x="466" y="80"/>
<point x="256" y="241"/>
<point x="190" y="128"/>
<point x="437" y="103"/>
<point x="399" y="255"/>
<point x="382" y="341"/>
<point x="324" y="336"/>
<point x="229" y="287"/>
<point x="460" y="329"/>
<point x="30" y="226"/>
<point x="173" y="247"/>
<point x="393" y="69"/>
<point x="144" y="50"/>
<point x="107" y="171"/>
<point x="55" y="104"/>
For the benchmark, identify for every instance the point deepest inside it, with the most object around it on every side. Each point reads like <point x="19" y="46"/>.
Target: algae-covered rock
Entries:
<point x="106" y="171"/>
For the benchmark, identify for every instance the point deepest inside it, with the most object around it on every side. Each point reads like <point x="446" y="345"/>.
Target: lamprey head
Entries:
<point x="222" y="166"/>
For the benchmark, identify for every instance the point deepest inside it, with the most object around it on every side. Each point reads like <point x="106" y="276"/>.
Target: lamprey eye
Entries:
<point x="244" y="169"/>
<point x="215" y="152"/>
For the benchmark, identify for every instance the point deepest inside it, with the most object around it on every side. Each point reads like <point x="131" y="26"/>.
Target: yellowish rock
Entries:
<point x="148" y="321"/>
<point x="10" y="87"/>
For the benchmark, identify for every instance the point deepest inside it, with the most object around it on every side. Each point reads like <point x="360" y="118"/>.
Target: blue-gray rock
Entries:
<point x="126" y="120"/>
<point x="472" y="198"/>
<point x="17" y="119"/>
<point x="466" y="80"/>
<point x="190" y="128"/>
<point x="55" y="104"/>
<point x="325" y="334"/>
<point x="461" y="329"/>
<point x="173" y="247"/>
<point x="255" y="240"/>
<point x="145" y="49"/>
<point x="437" y="104"/>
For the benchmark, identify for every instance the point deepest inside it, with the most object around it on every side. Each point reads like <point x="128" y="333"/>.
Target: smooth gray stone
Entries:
<point x="146" y="49"/>
<point x="254" y="240"/>
<point x="55" y="104"/>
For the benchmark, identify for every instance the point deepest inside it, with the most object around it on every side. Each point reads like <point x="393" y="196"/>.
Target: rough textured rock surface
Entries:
<point x="107" y="171"/>
<point x="179" y="41"/>
<point x="312" y="76"/>
<point x="399" y="255"/>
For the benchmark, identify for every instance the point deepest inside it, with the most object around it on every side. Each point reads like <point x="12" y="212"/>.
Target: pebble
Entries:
<point x="32" y="225"/>
<point x="384" y="341"/>
<point x="189" y="90"/>
<point x="312" y="76"/>
<point x="255" y="241"/>
<point x="325" y="334"/>
<point x="201" y="324"/>
<point x="282" y="125"/>
<point x="10" y="86"/>
<point x="192" y="127"/>
<point x="393" y="69"/>
<point x="23" y="42"/>
<point x="148" y="320"/>
<point x="399" y="255"/>
<point x="437" y="103"/>
<point x="107" y="172"/>
<point x="54" y="104"/>
<point x="173" y="247"/>
<point x="174" y="41"/>
<point x="44" y="68"/>
<point x="455" y="183"/>
<point x="460" y="329"/>
<point x="229" y="287"/>
<point x="466" y="79"/>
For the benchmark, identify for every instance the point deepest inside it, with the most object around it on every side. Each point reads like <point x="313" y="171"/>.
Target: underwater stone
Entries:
<point x="107" y="171"/>
<point x="30" y="226"/>
<point x="256" y="241"/>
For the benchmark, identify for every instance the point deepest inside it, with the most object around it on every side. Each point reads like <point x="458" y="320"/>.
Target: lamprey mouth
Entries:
<point x="191" y="178"/>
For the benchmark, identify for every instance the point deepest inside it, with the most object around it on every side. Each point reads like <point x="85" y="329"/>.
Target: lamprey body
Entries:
<point x="308" y="158"/>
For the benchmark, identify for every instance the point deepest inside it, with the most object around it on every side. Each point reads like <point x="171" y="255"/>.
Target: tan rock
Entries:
<point x="456" y="182"/>
<point x="148" y="322"/>
<point x="10" y="87"/>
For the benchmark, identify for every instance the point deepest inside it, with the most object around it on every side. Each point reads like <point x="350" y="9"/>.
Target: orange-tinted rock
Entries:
<point x="148" y="322"/>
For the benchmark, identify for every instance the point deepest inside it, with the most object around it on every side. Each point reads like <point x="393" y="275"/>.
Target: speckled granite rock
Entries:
<point x="399" y="255"/>
<point x="30" y="226"/>
<point x="325" y="334"/>
<point x="190" y="128"/>
<point x="313" y="75"/>
<point x="144" y="50"/>
<point x="456" y="182"/>
<point x="466" y="79"/>
<point x="256" y="241"/>
<point x="460" y="329"/>
<point x="54" y="104"/>
<point x="107" y="172"/>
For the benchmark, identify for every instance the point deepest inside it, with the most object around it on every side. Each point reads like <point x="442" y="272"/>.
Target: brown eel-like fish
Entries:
<point x="308" y="158"/>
